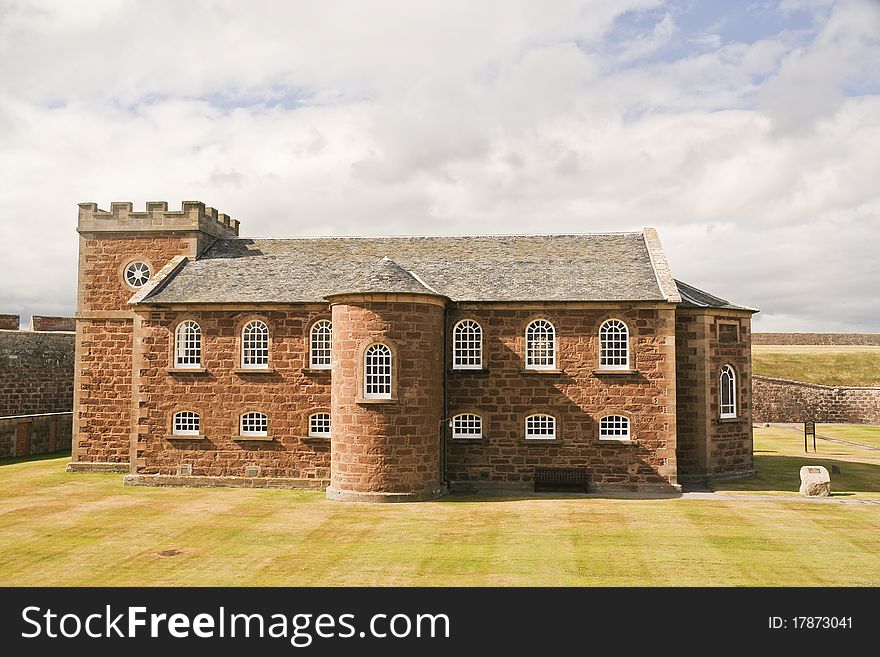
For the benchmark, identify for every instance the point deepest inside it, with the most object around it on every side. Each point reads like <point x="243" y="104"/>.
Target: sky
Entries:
<point x="747" y="133"/>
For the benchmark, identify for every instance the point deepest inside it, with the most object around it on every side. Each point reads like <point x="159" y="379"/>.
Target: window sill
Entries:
<point x="186" y="370"/>
<point x="730" y="419"/>
<point x="183" y="437"/>
<point x="316" y="439"/>
<point x="316" y="370"/>
<point x="541" y="441"/>
<point x="601" y="372"/>
<point x="244" y="439"/>
<point x="531" y="371"/>
<point x="254" y="370"/>
<point x="476" y="372"/>
<point x="467" y="441"/>
<point x="618" y="441"/>
<point x="361" y="400"/>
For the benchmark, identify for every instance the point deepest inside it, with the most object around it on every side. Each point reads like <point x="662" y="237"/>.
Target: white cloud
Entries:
<point x="347" y="117"/>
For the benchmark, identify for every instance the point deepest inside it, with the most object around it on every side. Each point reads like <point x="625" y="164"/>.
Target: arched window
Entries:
<point x="467" y="425"/>
<point x="255" y="345"/>
<point x="613" y="345"/>
<point x="188" y="346"/>
<point x="467" y="346"/>
<point x="186" y="423"/>
<point x="728" y="392"/>
<point x="614" y="427"/>
<point x="377" y="372"/>
<point x="540" y="345"/>
<point x="540" y="427"/>
<point x="254" y="424"/>
<point x="319" y="425"/>
<point x="320" y="342"/>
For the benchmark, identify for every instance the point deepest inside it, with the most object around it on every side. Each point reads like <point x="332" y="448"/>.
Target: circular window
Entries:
<point x="137" y="273"/>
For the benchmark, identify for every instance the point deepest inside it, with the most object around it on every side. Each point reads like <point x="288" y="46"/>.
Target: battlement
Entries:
<point x="193" y="216"/>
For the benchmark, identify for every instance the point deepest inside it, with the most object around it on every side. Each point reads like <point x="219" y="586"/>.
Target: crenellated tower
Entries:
<point x="119" y="251"/>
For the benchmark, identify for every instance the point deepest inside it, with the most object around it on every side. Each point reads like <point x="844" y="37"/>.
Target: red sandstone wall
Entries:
<point x="504" y="393"/>
<point x="102" y="388"/>
<point x="730" y="439"/>
<point x="779" y="400"/>
<point x="287" y="394"/>
<point x="102" y="418"/>
<point x="388" y="447"/>
<point x="708" y="445"/>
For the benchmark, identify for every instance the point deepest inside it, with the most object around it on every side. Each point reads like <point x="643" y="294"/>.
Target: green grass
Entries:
<point x="87" y="529"/>
<point x="828" y="365"/>
<point x="866" y="435"/>
<point x="779" y="455"/>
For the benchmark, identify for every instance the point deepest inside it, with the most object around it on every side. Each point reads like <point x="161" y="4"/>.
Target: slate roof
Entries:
<point x="590" y="267"/>
<point x="692" y="297"/>
<point x="387" y="277"/>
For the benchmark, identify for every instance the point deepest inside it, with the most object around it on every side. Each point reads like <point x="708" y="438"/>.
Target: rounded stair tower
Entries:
<point x="387" y="389"/>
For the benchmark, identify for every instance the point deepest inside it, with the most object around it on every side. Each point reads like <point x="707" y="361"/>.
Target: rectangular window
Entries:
<point x="540" y="427"/>
<point x="186" y="423"/>
<point x="728" y="333"/>
<point x="319" y="425"/>
<point x="614" y="427"/>
<point x="254" y="424"/>
<point x="467" y="426"/>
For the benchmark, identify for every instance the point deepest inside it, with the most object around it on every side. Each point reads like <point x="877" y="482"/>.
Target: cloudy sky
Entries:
<point x="748" y="134"/>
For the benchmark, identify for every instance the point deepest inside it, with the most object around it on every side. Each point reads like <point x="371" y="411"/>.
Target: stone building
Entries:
<point x="395" y="368"/>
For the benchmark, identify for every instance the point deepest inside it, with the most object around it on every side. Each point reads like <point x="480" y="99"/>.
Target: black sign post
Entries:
<point x="809" y="430"/>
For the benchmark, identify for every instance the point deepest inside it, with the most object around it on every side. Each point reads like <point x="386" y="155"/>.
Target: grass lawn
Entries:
<point x="87" y="529"/>
<point x="866" y="435"/>
<point x="829" y="365"/>
<point x="779" y="455"/>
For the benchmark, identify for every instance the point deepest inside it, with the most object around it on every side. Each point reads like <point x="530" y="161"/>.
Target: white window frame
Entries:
<point x="615" y="427"/>
<point x="610" y="342"/>
<point x="467" y="345"/>
<point x="141" y="265"/>
<point x="531" y="427"/>
<point x="321" y="340"/>
<point x="462" y="422"/>
<point x="727" y="411"/>
<point x="371" y="370"/>
<point x="255" y="346"/>
<point x="187" y="337"/>
<point x="549" y="334"/>
<point x="187" y="420"/>
<point x="256" y="415"/>
<point x="316" y="431"/>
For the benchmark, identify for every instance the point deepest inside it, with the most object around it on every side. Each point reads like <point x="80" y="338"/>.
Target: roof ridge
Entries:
<point x="451" y="235"/>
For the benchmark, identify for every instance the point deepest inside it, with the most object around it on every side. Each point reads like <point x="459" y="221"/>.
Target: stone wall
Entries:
<point x="504" y="393"/>
<point x="36" y="372"/>
<point x="780" y="400"/>
<point x="25" y="435"/>
<point x="51" y="323"/>
<point x="388" y="449"/>
<point x="288" y="392"/>
<point x="10" y="322"/>
<point x="861" y="339"/>
<point x="706" y="340"/>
